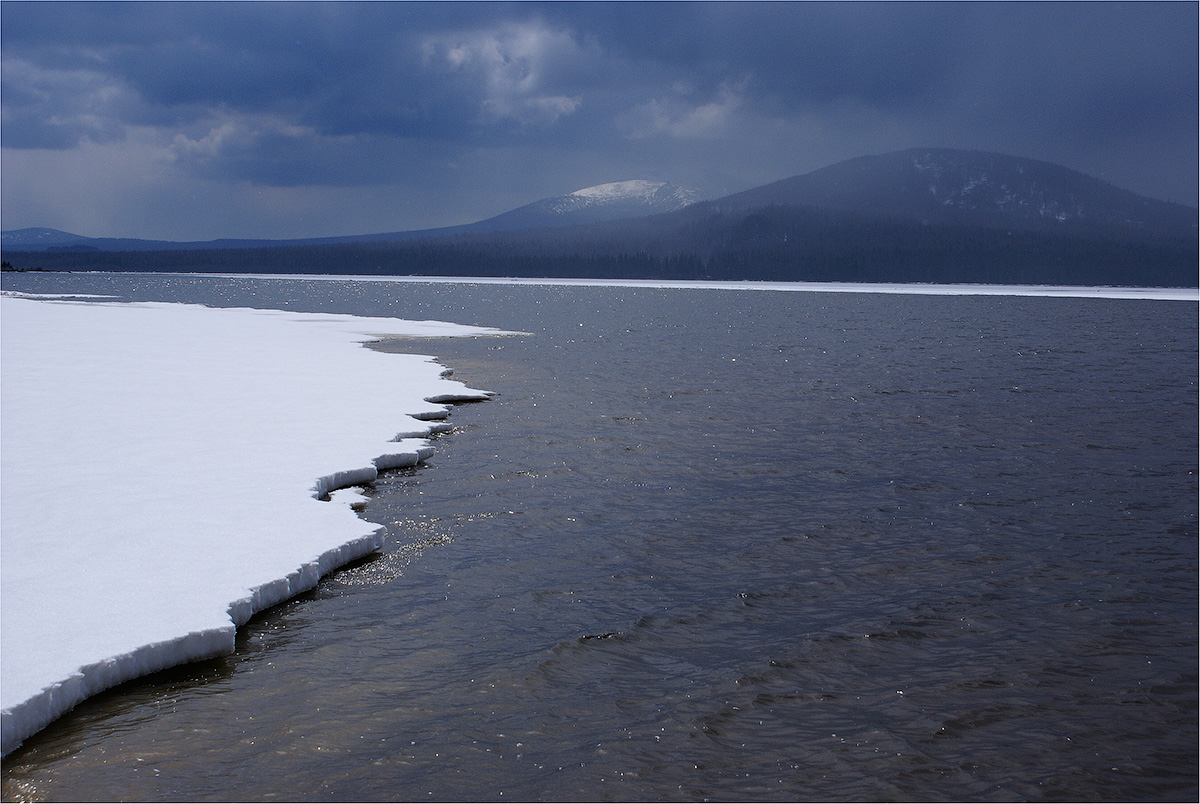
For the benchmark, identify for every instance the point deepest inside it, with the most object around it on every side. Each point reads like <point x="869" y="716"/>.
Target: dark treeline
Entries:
<point x="774" y="243"/>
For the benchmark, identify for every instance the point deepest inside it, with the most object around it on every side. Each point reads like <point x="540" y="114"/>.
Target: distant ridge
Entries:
<point x="54" y="240"/>
<point x="920" y="215"/>
<point x="597" y="204"/>
<point x="38" y="238"/>
<point x="603" y="202"/>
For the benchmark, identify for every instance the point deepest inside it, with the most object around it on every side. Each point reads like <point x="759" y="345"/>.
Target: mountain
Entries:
<point x="951" y="186"/>
<point x="603" y="202"/>
<point x="921" y="215"/>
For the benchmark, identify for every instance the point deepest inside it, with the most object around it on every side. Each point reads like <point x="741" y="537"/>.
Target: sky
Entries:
<point x="195" y="121"/>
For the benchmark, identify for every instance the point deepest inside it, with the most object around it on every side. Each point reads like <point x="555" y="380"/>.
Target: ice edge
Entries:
<point x="34" y="714"/>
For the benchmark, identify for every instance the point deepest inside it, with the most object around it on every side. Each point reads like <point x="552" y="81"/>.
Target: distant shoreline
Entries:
<point x="897" y="288"/>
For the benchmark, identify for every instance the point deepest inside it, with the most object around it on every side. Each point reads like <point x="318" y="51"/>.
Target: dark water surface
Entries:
<point x="719" y="545"/>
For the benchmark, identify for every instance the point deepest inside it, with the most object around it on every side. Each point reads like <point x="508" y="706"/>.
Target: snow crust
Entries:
<point x="163" y="467"/>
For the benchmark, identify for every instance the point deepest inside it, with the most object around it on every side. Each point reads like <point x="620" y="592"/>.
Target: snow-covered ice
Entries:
<point x="896" y="288"/>
<point x="161" y="470"/>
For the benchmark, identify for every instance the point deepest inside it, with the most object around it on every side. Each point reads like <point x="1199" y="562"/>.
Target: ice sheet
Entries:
<point x="160" y="473"/>
<point x="913" y="288"/>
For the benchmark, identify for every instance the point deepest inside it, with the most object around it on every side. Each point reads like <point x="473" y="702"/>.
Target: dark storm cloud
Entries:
<point x="724" y="95"/>
<point x="798" y="54"/>
<point x="387" y="69"/>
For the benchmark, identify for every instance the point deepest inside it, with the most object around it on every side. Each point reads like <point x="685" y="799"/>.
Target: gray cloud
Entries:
<point x="466" y="104"/>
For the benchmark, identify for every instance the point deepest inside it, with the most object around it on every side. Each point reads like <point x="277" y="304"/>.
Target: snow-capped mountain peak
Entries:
<point x="633" y="198"/>
<point x="620" y="199"/>
<point x="655" y="196"/>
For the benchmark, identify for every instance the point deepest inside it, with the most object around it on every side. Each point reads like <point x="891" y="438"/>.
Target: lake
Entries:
<point x="718" y="545"/>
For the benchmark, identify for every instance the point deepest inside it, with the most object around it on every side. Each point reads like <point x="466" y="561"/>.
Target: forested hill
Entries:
<point x="971" y="187"/>
<point x="924" y="215"/>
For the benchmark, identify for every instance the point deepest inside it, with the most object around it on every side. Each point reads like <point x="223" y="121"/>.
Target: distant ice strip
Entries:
<point x="919" y="289"/>
<point x="17" y="294"/>
<point x="162" y="471"/>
